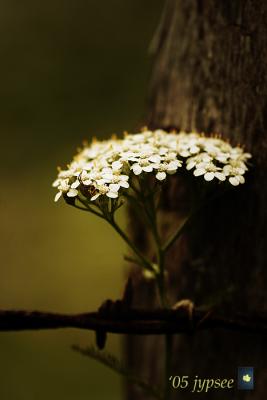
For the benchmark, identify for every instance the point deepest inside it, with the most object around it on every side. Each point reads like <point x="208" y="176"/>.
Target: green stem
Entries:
<point x="146" y="206"/>
<point x="142" y="260"/>
<point x="146" y="263"/>
<point x="89" y="208"/>
<point x="152" y="216"/>
<point x="177" y="233"/>
<point x="161" y="279"/>
<point x="79" y="207"/>
<point x="134" y="261"/>
<point x="186" y="222"/>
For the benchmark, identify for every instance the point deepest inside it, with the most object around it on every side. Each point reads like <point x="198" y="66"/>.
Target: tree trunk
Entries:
<point x="210" y="74"/>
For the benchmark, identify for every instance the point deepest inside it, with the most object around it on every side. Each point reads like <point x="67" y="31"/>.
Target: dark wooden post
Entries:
<point x="210" y="74"/>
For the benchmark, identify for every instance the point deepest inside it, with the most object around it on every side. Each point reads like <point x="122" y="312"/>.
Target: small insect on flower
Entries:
<point x="92" y="190"/>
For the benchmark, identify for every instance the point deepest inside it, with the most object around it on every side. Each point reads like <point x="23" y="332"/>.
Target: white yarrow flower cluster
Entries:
<point x="106" y="168"/>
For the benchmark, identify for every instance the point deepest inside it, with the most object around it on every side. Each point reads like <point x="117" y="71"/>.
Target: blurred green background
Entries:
<point x="69" y="70"/>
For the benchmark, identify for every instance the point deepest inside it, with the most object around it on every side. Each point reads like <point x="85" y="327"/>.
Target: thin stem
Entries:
<point x="186" y="222"/>
<point x="133" y="260"/>
<point x="147" y="207"/>
<point x="136" y="203"/>
<point x="142" y="260"/>
<point x="161" y="279"/>
<point x="152" y="216"/>
<point x="146" y="263"/>
<point x="79" y="207"/>
<point x="89" y="208"/>
<point x="177" y="233"/>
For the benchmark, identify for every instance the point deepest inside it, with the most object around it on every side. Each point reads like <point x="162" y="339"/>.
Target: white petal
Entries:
<point x="247" y="155"/>
<point x="162" y="151"/>
<point x="209" y="176"/>
<point x="72" y="193"/>
<point x="132" y="158"/>
<point x="149" y="168"/>
<point x="194" y="149"/>
<point x="155" y="158"/>
<point x="95" y="196"/>
<point x="136" y="169"/>
<point x="184" y="153"/>
<point x="117" y="165"/>
<point x="112" y="195"/>
<point x="241" y="179"/>
<point x="171" y="171"/>
<point x="57" y="196"/>
<point x="87" y="182"/>
<point x="202" y="165"/>
<point x="190" y="165"/>
<point x="220" y="176"/>
<point x="84" y="174"/>
<point x="161" y="176"/>
<point x="156" y="165"/>
<point x="75" y="184"/>
<point x="234" y="181"/>
<point x="101" y="182"/>
<point x="107" y="170"/>
<point x="222" y="158"/>
<point x="108" y="177"/>
<point x="199" y="171"/>
<point x="226" y="170"/>
<point x="206" y="157"/>
<point x="56" y="183"/>
<point x="124" y="185"/>
<point x="114" y="187"/>
<point x="124" y="177"/>
<point x="172" y="165"/>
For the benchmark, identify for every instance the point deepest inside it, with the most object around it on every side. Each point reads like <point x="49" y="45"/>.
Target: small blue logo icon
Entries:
<point x="245" y="378"/>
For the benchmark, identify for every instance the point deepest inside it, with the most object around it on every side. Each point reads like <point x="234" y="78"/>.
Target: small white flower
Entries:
<point x="161" y="175"/>
<point x="63" y="187"/>
<point x="126" y="156"/>
<point x="167" y="168"/>
<point x="210" y="171"/>
<point x="235" y="167"/>
<point x="142" y="165"/>
<point x="188" y="145"/>
<point x="196" y="160"/>
<point x="235" y="173"/>
<point x="56" y="183"/>
<point x="115" y="178"/>
<point x="109" y="191"/>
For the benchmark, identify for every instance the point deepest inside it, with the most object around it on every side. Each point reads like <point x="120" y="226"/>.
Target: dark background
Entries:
<point x="68" y="71"/>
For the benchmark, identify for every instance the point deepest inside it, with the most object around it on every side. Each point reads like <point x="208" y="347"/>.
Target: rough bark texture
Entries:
<point x="210" y="74"/>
